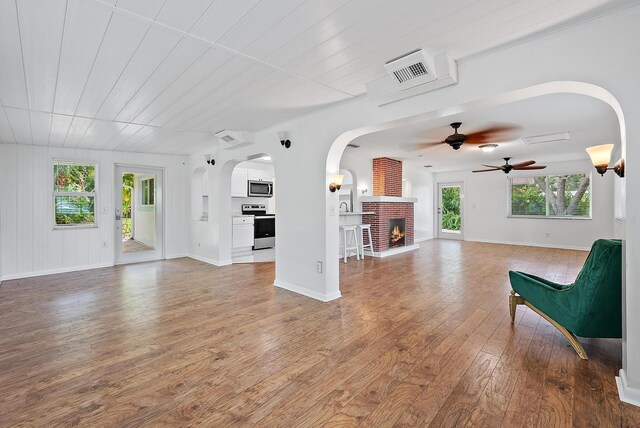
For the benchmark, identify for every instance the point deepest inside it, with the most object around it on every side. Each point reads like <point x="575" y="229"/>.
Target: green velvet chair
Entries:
<point x="590" y="307"/>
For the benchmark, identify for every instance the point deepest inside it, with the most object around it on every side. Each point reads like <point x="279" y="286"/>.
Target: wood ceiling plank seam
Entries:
<point x="93" y="64"/>
<point x="13" y="64"/>
<point x="161" y="135"/>
<point x="197" y="21"/>
<point x="207" y="96"/>
<point x="6" y="120"/>
<point x="541" y="33"/>
<point x="239" y="21"/>
<point x="150" y="75"/>
<point x="20" y="121"/>
<point x="189" y="91"/>
<point x="134" y="136"/>
<point x="214" y="44"/>
<point x="74" y="124"/>
<point x="287" y="37"/>
<point x="55" y="88"/>
<point x="108" y="144"/>
<point x="250" y="93"/>
<point x="24" y="72"/>
<point x="168" y="85"/>
<point x="363" y="50"/>
<point x="55" y="120"/>
<point x="123" y="70"/>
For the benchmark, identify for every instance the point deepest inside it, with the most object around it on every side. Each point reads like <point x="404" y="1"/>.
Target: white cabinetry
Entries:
<point x="242" y="232"/>
<point x="239" y="179"/>
<point x="259" y="175"/>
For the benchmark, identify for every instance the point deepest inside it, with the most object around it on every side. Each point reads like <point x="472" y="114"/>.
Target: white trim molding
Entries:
<point x="394" y="251"/>
<point x="55" y="271"/>
<point x="306" y="291"/>
<point x="530" y="244"/>
<point x="626" y="393"/>
<point x="218" y="263"/>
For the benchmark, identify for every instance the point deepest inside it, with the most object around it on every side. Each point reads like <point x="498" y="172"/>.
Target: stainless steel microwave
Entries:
<point x="260" y="189"/>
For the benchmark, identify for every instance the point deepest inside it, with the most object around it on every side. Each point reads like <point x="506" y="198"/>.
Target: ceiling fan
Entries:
<point x="492" y="134"/>
<point x="507" y="167"/>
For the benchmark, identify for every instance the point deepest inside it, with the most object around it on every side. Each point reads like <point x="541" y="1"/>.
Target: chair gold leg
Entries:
<point x="514" y="301"/>
<point x="573" y="340"/>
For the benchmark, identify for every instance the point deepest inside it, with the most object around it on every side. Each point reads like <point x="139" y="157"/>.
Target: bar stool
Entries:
<point x="346" y="230"/>
<point x="362" y="228"/>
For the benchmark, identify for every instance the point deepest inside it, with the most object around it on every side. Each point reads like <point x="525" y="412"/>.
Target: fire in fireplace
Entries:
<point x="396" y="232"/>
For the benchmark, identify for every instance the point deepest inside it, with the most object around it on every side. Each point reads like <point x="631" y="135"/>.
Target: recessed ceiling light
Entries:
<point x="488" y="148"/>
<point x="266" y="158"/>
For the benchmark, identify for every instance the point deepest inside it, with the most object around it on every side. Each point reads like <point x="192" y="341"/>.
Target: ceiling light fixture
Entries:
<point x="266" y="158"/>
<point x="209" y="160"/>
<point x="601" y="156"/>
<point x="488" y="148"/>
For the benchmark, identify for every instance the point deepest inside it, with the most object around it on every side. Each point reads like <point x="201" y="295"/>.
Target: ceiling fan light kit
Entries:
<point x="488" y="148"/>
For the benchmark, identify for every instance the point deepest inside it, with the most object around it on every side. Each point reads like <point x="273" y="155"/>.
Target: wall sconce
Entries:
<point x="364" y="190"/>
<point x="601" y="156"/>
<point x="209" y="160"/>
<point x="284" y="139"/>
<point x="337" y="183"/>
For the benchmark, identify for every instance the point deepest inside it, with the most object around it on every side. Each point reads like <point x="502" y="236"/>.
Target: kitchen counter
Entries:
<point x="357" y="213"/>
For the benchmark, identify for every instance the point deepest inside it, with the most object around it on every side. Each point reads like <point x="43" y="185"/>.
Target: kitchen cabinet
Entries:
<point x="259" y="175"/>
<point x="242" y="232"/>
<point x="239" y="179"/>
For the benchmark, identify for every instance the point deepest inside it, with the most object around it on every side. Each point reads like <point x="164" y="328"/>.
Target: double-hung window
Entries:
<point x="148" y="192"/>
<point x="551" y="196"/>
<point x="74" y="194"/>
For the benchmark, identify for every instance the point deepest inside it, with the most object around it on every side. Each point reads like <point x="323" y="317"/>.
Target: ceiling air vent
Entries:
<point x="234" y="139"/>
<point x="412" y="69"/>
<point x="549" y="138"/>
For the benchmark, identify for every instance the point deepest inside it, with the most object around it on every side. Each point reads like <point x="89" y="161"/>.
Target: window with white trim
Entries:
<point x="551" y="196"/>
<point x="148" y="192"/>
<point x="74" y="194"/>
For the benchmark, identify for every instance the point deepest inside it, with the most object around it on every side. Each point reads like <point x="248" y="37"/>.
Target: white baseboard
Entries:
<point x="176" y="256"/>
<point x="530" y="244"/>
<point x="306" y="291"/>
<point x="218" y="263"/>
<point x="395" y="251"/>
<point x="626" y="393"/>
<point x="55" y="271"/>
<point x="422" y="239"/>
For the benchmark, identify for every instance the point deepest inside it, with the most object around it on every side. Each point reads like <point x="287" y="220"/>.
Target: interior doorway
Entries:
<point x="450" y="211"/>
<point x="138" y="214"/>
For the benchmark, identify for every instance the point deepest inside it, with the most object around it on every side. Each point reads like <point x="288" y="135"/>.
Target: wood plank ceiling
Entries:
<point x="163" y="75"/>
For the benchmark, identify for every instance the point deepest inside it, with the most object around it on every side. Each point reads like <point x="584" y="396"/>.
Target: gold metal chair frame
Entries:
<point x="515" y="300"/>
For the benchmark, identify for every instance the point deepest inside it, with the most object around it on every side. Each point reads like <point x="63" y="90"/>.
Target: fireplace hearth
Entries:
<point x="397" y="232"/>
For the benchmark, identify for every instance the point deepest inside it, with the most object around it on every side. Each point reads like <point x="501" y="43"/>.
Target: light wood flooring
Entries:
<point x="418" y="339"/>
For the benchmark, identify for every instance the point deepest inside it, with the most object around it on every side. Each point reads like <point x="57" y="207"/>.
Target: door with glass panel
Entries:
<point x="450" y="211"/>
<point x="138" y="214"/>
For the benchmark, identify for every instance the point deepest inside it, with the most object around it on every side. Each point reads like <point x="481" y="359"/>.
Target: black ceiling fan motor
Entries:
<point x="456" y="140"/>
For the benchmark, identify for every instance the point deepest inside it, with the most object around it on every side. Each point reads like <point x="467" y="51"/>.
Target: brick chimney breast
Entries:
<point x="387" y="177"/>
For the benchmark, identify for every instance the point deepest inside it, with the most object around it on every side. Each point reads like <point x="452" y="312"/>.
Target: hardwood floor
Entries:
<point x="418" y="339"/>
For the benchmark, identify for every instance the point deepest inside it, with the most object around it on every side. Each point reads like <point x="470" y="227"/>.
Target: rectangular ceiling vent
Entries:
<point x="548" y="138"/>
<point x="234" y="139"/>
<point x="412" y="69"/>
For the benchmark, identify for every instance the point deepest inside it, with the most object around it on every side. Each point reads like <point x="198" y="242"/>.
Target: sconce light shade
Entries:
<point x="618" y="168"/>
<point x="337" y="183"/>
<point x="209" y="160"/>
<point x="600" y="157"/>
<point x="284" y="139"/>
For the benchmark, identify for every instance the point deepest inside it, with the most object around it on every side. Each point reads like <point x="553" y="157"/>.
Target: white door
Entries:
<point x="450" y="211"/>
<point x="139" y="221"/>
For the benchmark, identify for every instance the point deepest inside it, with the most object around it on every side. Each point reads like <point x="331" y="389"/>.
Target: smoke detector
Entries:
<point x="412" y="69"/>
<point x="234" y="139"/>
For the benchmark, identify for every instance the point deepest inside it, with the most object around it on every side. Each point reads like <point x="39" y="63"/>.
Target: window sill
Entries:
<point x="79" y="226"/>
<point x="542" y="217"/>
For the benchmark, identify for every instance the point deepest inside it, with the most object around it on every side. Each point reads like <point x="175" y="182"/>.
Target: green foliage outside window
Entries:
<point x="74" y="189"/>
<point x="554" y="195"/>
<point x="451" y="219"/>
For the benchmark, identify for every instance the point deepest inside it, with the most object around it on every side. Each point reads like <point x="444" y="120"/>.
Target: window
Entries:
<point x="148" y="191"/>
<point x="74" y="194"/>
<point x="565" y="196"/>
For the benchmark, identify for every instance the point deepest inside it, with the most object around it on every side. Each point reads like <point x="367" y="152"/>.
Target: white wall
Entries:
<point x="485" y="207"/>
<point x="30" y="246"/>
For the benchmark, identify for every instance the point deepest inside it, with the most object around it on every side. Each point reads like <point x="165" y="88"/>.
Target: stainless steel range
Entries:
<point x="264" y="225"/>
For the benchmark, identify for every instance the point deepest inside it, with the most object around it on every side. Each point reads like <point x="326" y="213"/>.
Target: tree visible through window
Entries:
<point x="451" y="219"/>
<point x="551" y="196"/>
<point x="74" y="194"/>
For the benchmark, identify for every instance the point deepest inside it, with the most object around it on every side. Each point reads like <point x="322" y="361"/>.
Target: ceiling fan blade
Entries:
<point x="494" y="134"/>
<point x="492" y="166"/>
<point x="525" y="168"/>
<point x="412" y="147"/>
<point x="487" y="170"/>
<point x="527" y="163"/>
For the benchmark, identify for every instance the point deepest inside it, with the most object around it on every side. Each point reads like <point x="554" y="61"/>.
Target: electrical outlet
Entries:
<point x="104" y="244"/>
<point x="319" y="267"/>
<point x="332" y="210"/>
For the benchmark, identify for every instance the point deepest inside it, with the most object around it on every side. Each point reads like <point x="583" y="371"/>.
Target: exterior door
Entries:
<point x="450" y="211"/>
<point x="139" y="209"/>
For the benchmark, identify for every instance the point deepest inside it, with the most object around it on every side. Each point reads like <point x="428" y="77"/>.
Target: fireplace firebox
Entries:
<point x="396" y="232"/>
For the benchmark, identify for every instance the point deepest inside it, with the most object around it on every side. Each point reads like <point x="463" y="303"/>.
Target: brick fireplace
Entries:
<point x="392" y="218"/>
